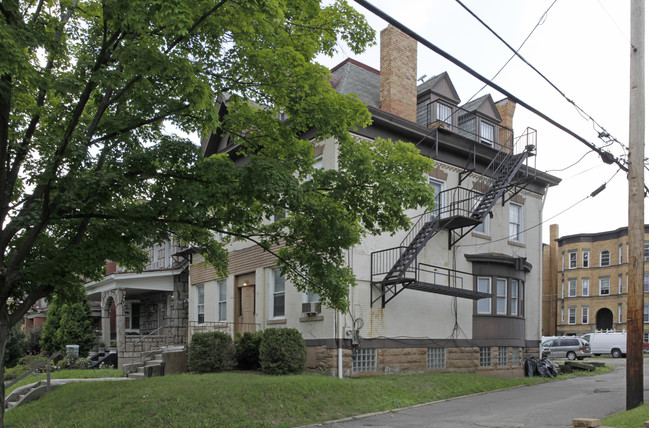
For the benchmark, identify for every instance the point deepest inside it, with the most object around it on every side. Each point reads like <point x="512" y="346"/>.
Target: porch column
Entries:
<point x="105" y="318"/>
<point x="120" y="309"/>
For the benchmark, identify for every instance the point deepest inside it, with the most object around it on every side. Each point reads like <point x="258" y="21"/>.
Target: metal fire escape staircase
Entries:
<point x="459" y="210"/>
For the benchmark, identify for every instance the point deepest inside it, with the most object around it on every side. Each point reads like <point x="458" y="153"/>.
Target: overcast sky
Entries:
<point x="582" y="47"/>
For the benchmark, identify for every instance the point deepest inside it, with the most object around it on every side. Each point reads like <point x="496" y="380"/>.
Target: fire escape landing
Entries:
<point x="458" y="210"/>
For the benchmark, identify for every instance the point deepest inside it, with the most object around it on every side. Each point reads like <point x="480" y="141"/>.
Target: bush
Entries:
<point x="247" y="350"/>
<point x="16" y="346"/>
<point x="282" y="351"/>
<point x="15" y="372"/>
<point x="32" y="360"/>
<point x="34" y="341"/>
<point x="210" y="352"/>
<point x="71" y="361"/>
<point x="68" y="323"/>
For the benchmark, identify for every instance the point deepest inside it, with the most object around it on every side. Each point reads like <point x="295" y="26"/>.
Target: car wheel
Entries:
<point x="571" y="355"/>
<point x="615" y="353"/>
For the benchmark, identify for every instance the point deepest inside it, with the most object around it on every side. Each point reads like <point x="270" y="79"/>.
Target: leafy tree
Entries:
<point x="88" y="172"/>
<point x="16" y="346"/>
<point x="68" y="324"/>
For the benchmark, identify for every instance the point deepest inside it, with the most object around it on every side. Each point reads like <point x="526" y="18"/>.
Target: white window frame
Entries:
<point x="645" y="282"/>
<point x="572" y="287"/>
<point x="619" y="313"/>
<point x="585" y="287"/>
<point x="646" y="251"/>
<point x="443" y="112"/>
<point x="572" y="259"/>
<point x="484" y="285"/>
<point x="274" y="292"/>
<point x="487" y="128"/>
<point x="501" y="296"/>
<point x="605" y="258"/>
<point x="513" y="305"/>
<point x="439" y="195"/>
<point x="484" y="227"/>
<point x="585" y="258"/>
<point x="605" y="291"/>
<point x="645" y="313"/>
<point x="585" y="315"/>
<point x="200" y="303"/>
<point x="572" y="315"/>
<point x="619" y="253"/>
<point x="619" y="284"/>
<point x="516" y="224"/>
<point x="221" y="300"/>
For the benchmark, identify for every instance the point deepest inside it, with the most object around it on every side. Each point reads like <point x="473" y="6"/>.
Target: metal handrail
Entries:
<point x="33" y="369"/>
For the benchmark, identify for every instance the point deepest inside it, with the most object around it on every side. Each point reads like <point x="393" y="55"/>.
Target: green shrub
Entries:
<point x="15" y="372"/>
<point x="34" y="341"/>
<point x="16" y="346"/>
<point x="211" y="352"/>
<point x="32" y="360"/>
<point x="247" y="350"/>
<point x="71" y="361"/>
<point x="282" y="351"/>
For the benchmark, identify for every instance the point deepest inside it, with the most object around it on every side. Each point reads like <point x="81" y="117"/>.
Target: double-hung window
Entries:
<point x="277" y="294"/>
<point x="604" y="258"/>
<point x="572" y="259"/>
<point x="604" y="286"/>
<point x="585" y="287"/>
<point x="513" y="306"/>
<point x="646" y="282"/>
<point x="584" y="314"/>
<point x="501" y="296"/>
<point x="646" y="313"/>
<point x="439" y="187"/>
<point x="443" y="112"/>
<point x="572" y="288"/>
<point x="484" y="286"/>
<point x="221" y="302"/>
<point x="585" y="258"/>
<point x="572" y="315"/>
<point x="487" y="133"/>
<point x="200" y="303"/>
<point x="646" y="251"/>
<point x="619" y="284"/>
<point x="516" y="222"/>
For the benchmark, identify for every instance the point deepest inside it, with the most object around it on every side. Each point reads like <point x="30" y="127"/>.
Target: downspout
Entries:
<point x="540" y="291"/>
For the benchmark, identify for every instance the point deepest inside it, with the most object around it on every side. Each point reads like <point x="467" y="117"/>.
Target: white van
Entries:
<point x="607" y="342"/>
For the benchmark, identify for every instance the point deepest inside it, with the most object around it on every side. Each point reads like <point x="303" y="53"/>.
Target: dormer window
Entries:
<point x="487" y="133"/>
<point x="443" y="112"/>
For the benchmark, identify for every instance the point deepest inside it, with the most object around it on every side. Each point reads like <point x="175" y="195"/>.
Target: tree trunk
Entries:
<point x="4" y="333"/>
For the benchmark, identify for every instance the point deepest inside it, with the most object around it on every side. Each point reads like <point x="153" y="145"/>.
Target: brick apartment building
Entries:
<point x="585" y="279"/>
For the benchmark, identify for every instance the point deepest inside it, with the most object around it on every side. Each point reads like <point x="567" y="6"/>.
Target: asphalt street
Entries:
<point x="552" y="404"/>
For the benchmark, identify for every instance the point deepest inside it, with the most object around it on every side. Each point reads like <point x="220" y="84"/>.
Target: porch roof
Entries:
<point x="155" y="280"/>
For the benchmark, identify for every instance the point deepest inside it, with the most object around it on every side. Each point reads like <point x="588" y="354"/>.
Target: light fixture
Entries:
<point x="245" y="283"/>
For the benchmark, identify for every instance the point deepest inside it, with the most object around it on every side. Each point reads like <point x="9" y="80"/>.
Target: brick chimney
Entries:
<point x="398" y="73"/>
<point x="506" y="108"/>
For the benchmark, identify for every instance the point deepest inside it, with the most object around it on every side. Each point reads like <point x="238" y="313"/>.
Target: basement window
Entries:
<point x="485" y="356"/>
<point x="365" y="361"/>
<point x="436" y="358"/>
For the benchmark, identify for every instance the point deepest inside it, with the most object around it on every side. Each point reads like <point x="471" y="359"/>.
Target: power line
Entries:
<point x="607" y="157"/>
<point x="602" y="132"/>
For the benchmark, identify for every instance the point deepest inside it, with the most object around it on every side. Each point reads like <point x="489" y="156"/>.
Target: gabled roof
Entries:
<point x="442" y="86"/>
<point x="483" y="106"/>
<point x="353" y="77"/>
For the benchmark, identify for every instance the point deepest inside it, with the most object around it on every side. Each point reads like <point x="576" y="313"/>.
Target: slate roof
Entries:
<point x="353" y="77"/>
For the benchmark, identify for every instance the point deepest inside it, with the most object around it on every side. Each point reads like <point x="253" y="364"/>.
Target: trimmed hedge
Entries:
<point x="247" y="350"/>
<point x="210" y="352"/>
<point x="282" y="351"/>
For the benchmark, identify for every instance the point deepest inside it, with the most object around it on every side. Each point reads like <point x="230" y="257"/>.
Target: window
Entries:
<point x="501" y="296"/>
<point x="436" y="358"/>
<point x="484" y="286"/>
<point x="563" y="289"/>
<point x="277" y="294"/>
<point x="439" y="187"/>
<point x="487" y="134"/>
<point x="572" y="259"/>
<point x="200" y="303"/>
<point x="646" y="313"/>
<point x="646" y="282"/>
<point x="310" y="297"/>
<point x="562" y="318"/>
<point x="572" y="288"/>
<point x="585" y="286"/>
<point x="619" y="313"/>
<point x="584" y="314"/>
<point x="563" y="261"/>
<point x="645" y="336"/>
<point x="443" y="112"/>
<point x="516" y="222"/>
<point x="502" y="356"/>
<point x="132" y="316"/>
<point x="221" y="303"/>
<point x="515" y="352"/>
<point x="585" y="258"/>
<point x="604" y="286"/>
<point x="619" y="253"/>
<point x="619" y="283"/>
<point x="572" y="315"/>
<point x="483" y="228"/>
<point x="513" y="305"/>
<point x="365" y="361"/>
<point x="604" y="258"/>
<point x="485" y="356"/>
<point x="646" y="251"/>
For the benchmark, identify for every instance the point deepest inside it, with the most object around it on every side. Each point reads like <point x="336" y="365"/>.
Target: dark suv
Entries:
<point x="570" y="347"/>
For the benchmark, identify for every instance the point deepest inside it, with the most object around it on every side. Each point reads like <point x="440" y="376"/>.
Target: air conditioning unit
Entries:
<point x="311" y="309"/>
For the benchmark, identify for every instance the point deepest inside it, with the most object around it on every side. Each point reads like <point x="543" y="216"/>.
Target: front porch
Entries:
<point x="142" y="312"/>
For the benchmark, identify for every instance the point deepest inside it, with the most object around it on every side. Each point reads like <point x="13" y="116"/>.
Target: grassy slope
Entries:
<point x="241" y="399"/>
<point x="67" y="374"/>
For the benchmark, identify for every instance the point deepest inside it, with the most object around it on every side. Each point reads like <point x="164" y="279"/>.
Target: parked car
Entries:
<point x="570" y="347"/>
<point x="607" y="342"/>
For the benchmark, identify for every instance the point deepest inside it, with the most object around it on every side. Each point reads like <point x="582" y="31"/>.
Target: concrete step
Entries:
<point x="136" y="375"/>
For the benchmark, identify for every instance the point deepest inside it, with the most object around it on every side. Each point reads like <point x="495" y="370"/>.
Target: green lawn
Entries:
<point x="242" y="399"/>
<point x="67" y="374"/>
<point x="630" y="419"/>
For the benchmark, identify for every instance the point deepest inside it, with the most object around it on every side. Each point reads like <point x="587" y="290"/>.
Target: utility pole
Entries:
<point x="635" y="298"/>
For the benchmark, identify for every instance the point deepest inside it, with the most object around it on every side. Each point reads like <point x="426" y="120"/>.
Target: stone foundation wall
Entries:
<point x="414" y="360"/>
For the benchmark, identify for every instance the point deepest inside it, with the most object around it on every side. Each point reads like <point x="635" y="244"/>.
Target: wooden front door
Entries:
<point x="245" y="316"/>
